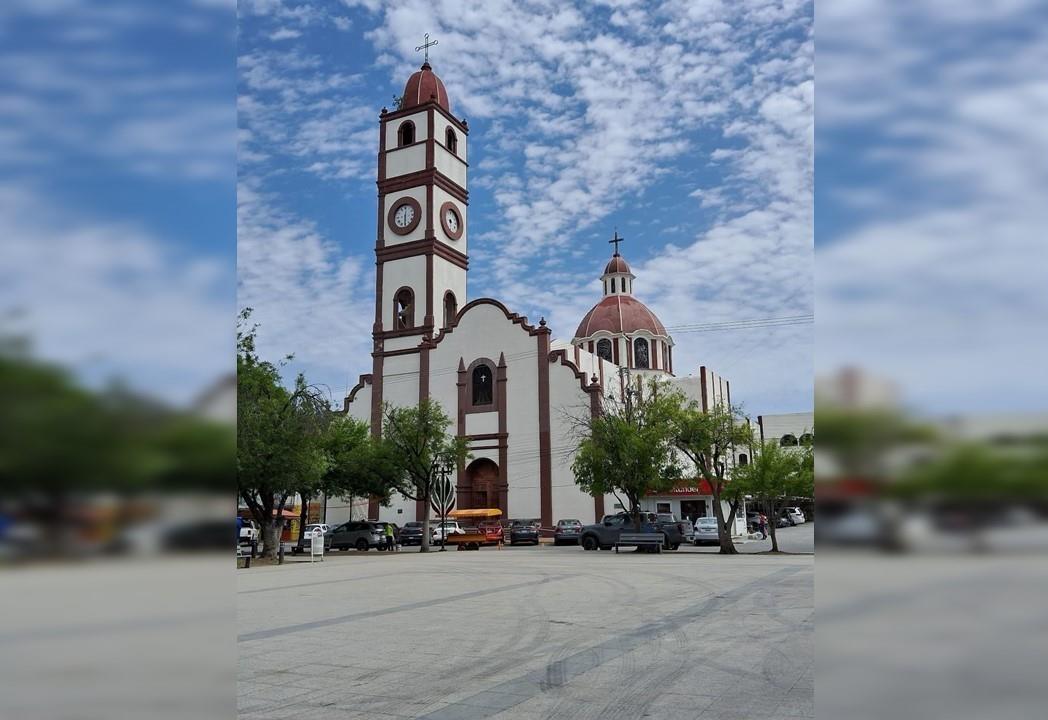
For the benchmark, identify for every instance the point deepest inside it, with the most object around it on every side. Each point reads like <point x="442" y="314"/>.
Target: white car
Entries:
<point x="794" y="515"/>
<point x="706" y="531"/>
<point x="451" y="527"/>
<point x="249" y="532"/>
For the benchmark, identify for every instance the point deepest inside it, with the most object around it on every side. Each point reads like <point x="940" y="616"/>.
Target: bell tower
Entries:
<point x="420" y="251"/>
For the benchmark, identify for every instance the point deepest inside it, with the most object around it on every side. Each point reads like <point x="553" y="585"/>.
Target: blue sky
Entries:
<point x="688" y="126"/>
<point x="117" y="188"/>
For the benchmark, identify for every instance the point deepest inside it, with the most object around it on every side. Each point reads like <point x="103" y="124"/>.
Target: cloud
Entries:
<point x="933" y="279"/>
<point x="577" y="113"/>
<point x="285" y="34"/>
<point x="111" y="299"/>
<point x="308" y="297"/>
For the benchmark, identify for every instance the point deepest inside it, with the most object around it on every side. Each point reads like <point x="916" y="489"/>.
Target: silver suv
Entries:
<point x="358" y="534"/>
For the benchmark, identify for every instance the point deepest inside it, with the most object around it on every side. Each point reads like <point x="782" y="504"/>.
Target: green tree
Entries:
<point x="358" y="465"/>
<point x="418" y="438"/>
<point x="279" y="434"/>
<point x="773" y="476"/>
<point x="627" y="450"/>
<point x="708" y="438"/>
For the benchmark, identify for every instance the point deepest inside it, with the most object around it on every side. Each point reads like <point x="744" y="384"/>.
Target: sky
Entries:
<point x="118" y="189"/>
<point x="140" y="143"/>
<point x="688" y="126"/>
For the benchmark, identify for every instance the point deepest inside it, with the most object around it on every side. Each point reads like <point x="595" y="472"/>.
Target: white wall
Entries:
<point x="421" y="128"/>
<point x="405" y="160"/>
<point x="391" y="238"/>
<point x="410" y="271"/>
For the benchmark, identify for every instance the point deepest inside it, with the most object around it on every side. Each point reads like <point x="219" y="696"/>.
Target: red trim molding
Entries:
<point x="542" y="337"/>
<point x="500" y="394"/>
<point x="430" y="176"/>
<point x="427" y="246"/>
<point x="361" y="382"/>
<point x="389" y="116"/>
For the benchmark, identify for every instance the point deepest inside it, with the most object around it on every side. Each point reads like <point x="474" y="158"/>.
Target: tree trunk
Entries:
<point x="271" y="531"/>
<point x="424" y="547"/>
<point x="302" y="518"/>
<point x="727" y="547"/>
<point x="772" y="522"/>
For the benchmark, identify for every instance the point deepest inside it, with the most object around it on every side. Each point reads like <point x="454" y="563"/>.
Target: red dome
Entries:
<point x="619" y="314"/>
<point x="423" y="85"/>
<point x="617" y="264"/>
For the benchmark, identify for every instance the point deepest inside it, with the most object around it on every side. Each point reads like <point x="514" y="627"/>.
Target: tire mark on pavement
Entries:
<point x="368" y="614"/>
<point x="513" y="692"/>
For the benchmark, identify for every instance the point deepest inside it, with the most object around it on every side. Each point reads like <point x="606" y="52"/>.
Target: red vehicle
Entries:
<point x="488" y="530"/>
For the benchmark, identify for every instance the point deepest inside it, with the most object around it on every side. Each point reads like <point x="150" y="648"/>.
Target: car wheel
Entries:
<point x="362" y="545"/>
<point x="674" y="546"/>
<point x="589" y="543"/>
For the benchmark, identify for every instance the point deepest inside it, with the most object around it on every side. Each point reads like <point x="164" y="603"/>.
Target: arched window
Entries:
<point x="788" y="441"/>
<point x="450" y="308"/>
<point x="613" y="285"/>
<point x="483" y="382"/>
<point x="640" y="353"/>
<point x="743" y="460"/>
<point x="806" y="439"/>
<point x="406" y="133"/>
<point x="451" y="141"/>
<point x="404" y="309"/>
<point x="604" y="349"/>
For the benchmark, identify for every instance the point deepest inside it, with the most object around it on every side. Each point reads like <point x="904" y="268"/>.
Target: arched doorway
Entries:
<point x="482" y="486"/>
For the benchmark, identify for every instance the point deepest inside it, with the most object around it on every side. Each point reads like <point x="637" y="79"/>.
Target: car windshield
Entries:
<point x="413" y="525"/>
<point x="711" y="522"/>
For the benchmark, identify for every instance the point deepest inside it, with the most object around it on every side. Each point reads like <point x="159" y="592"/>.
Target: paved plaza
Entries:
<point x="537" y="632"/>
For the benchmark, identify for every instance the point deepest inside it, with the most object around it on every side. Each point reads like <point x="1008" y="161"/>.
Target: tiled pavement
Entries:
<point x="529" y="633"/>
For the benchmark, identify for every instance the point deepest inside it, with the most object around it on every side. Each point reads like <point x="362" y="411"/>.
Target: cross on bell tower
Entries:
<point x="426" y="45"/>
<point x="615" y="241"/>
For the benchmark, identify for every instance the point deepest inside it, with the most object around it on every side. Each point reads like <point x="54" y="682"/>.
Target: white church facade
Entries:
<point x="512" y="391"/>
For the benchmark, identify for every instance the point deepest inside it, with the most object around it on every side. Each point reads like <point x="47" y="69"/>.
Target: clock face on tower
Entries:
<point x="451" y="220"/>
<point x="404" y="215"/>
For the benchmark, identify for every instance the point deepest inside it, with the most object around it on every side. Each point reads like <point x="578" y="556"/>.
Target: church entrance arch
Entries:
<point x="482" y="487"/>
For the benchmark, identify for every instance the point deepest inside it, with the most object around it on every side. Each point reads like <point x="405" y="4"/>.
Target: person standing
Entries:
<point x="389" y="537"/>
<point x="763" y="525"/>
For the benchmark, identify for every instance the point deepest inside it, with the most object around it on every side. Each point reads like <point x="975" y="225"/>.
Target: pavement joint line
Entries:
<point x="563" y="671"/>
<point x="367" y="614"/>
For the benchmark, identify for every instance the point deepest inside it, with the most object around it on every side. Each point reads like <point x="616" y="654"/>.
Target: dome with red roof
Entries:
<point x="617" y="264"/>
<point x="619" y="314"/>
<point x="423" y="86"/>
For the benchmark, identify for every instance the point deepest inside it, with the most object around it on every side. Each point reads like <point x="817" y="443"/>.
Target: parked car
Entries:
<point x="524" y="531"/>
<point x="606" y="533"/>
<point x="442" y="530"/>
<point x="567" y="532"/>
<point x="782" y="521"/>
<point x="396" y="528"/>
<point x="706" y="531"/>
<point x="323" y="527"/>
<point x="794" y="515"/>
<point x="753" y="521"/>
<point x="686" y="529"/>
<point x="359" y="534"/>
<point x="249" y="532"/>
<point x="493" y="532"/>
<point x="411" y="533"/>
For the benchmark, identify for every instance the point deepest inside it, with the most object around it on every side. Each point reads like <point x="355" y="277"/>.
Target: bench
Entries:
<point x="640" y="540"/>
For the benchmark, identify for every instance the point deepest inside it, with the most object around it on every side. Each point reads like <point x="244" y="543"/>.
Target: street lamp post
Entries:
<point x="445" y="499"/>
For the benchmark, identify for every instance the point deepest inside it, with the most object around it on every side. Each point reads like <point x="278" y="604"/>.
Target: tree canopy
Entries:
<point x="420" y="440"/>
<point x="628" y="449"/>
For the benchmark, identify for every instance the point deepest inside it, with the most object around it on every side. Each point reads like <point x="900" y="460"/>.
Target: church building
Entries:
<point x="513" y="391"/>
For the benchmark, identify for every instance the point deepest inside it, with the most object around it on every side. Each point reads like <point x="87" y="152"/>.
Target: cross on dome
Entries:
<point x="615" y="240"/>
<point x="426" y="45"/>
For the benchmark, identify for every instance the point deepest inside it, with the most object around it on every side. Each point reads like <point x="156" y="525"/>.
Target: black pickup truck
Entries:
<point x="605" y="534"/>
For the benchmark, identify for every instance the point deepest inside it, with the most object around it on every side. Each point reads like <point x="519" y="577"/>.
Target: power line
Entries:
<point x="743" y="324"/>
